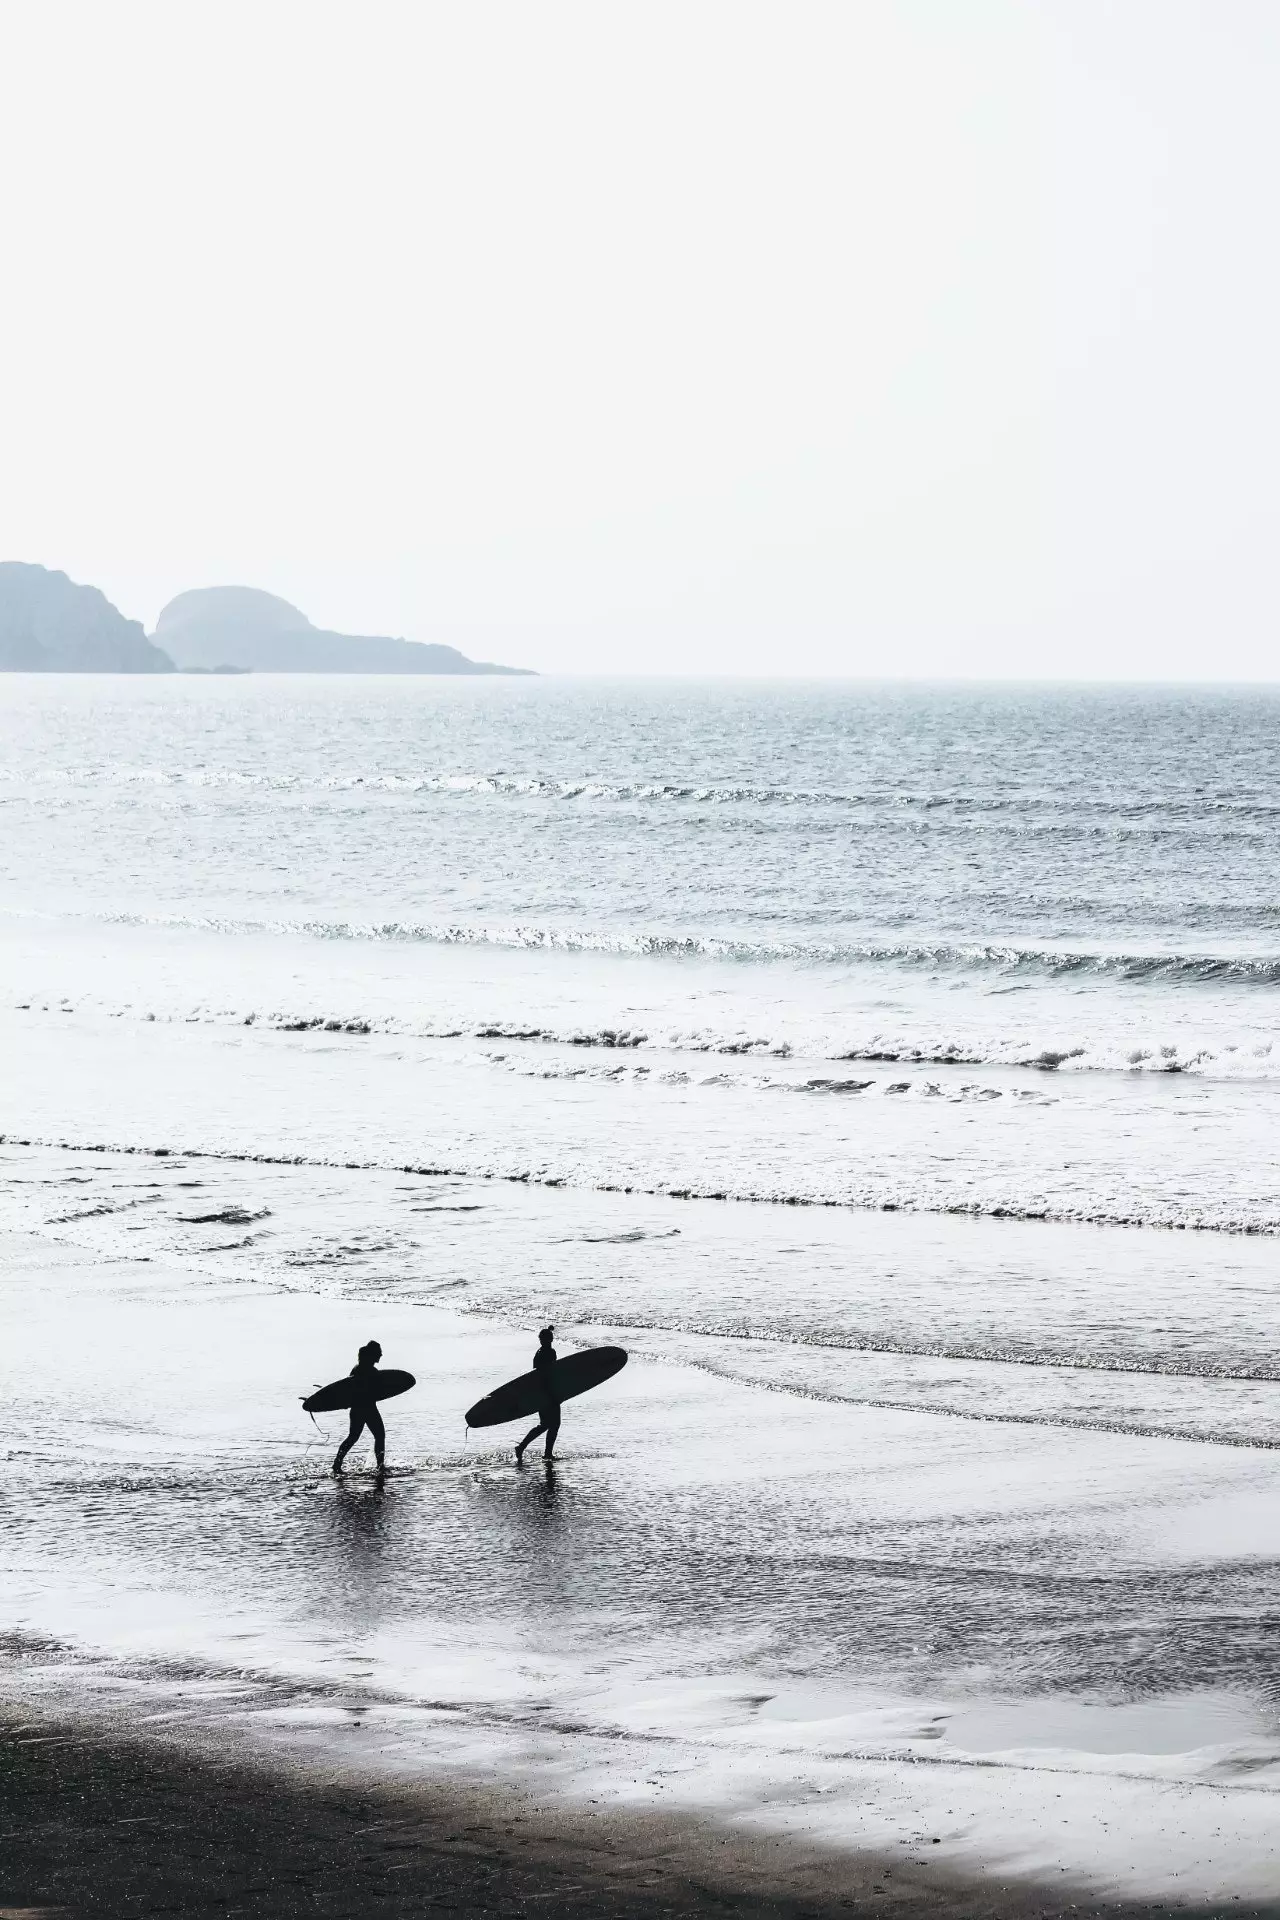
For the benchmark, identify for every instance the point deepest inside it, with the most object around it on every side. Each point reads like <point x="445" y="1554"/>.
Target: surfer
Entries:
<point x="364" y="1407"/>
<point x="544" y="1361"/>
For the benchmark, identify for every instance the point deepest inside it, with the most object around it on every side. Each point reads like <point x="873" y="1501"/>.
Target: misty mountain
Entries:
<point x="244" y="627"/>
<point x="48" y="624"/>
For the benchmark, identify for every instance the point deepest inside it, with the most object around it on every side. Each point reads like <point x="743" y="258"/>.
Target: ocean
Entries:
<point x="894" y="1070"/>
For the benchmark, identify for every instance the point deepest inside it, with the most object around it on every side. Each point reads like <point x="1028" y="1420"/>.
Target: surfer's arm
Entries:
<point x="544" y="1362"/>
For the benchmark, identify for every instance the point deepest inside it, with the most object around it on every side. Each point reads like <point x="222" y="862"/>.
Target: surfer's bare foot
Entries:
<point x="519" y="1453"/>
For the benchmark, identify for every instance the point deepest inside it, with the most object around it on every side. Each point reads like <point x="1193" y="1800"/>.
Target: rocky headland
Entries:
<point x="49" y="624"/>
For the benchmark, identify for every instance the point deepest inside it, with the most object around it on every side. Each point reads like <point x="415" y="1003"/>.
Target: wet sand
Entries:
<point x="103" y="1825"/>
<point x="818" y="1631"/>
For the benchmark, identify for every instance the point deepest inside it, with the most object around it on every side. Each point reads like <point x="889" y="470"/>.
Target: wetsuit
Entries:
<point x="364" y="1413"/>
<point x="548" y="1409"/>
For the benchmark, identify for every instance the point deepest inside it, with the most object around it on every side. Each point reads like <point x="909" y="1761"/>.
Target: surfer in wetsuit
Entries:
<point x="364" y="1408"/>
<point x="544" y="1361"/>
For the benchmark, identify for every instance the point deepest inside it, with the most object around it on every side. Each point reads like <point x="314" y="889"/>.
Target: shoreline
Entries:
<point x="107" y="1822"/>
<point x="765" y="1673"/>
<point x="856" y="1205"/>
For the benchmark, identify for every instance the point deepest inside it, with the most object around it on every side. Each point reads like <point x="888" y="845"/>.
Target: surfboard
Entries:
<point x="575" y="1374"/>
<point x="388" y="1382"/>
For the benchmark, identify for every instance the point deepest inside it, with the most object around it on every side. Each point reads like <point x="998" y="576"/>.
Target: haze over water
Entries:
<point x="851" y="1054"/>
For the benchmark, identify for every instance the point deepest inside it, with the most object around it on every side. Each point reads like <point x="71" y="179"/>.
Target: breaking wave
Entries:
<point x="1007" y="959"/>
<point x="1171" y="807"/>
<point x="1251" y="1059"/>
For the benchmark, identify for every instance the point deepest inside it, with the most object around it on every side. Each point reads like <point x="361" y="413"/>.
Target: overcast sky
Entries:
<point x="891" y="336"/>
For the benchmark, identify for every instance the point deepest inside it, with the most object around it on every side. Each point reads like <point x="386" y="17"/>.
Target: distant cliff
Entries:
<point x="48" y="624"/>
<point x="243" y="627"/>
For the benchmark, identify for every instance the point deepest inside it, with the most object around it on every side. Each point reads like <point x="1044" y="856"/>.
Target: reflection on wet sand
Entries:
<point x="775" y="1604"/>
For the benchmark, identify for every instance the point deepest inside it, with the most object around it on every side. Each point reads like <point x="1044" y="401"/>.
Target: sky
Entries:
<point x="920" y="337"/>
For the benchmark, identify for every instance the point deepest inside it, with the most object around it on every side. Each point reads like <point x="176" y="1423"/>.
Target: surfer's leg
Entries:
<point x="356" y="1429"/>
<point x="379" y="1432"/>
<point x="551" y="1427"/>
<point x="532" y="1435"/>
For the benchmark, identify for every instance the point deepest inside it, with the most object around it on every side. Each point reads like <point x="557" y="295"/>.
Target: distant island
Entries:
<point x="49" y="624"/>
<point x="214" y="627"/>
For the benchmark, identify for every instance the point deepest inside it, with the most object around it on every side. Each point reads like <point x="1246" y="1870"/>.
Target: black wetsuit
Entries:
<point x="548" y="1409"/>
<point x="364" y="1413"/>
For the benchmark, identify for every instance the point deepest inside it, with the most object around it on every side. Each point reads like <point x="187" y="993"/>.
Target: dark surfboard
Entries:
<point x="573" y="1375"/>
<point x="388" y="1382"/>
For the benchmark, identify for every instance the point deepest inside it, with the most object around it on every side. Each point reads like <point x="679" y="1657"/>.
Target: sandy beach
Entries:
<point x="817" y="1631"/>
<point x="97" y="1823"/>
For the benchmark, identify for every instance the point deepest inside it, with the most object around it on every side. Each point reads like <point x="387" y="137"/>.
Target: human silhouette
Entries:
<point x="364" y="1408"/>
<point x="544" y="1361"/>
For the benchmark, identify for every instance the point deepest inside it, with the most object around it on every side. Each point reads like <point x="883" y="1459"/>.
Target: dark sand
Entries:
<point x="94" y="1825"/>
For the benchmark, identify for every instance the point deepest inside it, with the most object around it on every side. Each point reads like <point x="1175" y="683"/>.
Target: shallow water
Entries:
<point x="724" y="1596"/>
<point x="1182" y="1724"/>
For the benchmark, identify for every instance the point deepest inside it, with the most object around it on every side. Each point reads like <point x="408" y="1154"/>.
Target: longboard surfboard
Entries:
<point x="575" y="1374"/>
<point x="387" y="1383"/>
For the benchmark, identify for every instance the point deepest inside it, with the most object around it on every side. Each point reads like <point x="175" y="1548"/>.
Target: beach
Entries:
<point x="833" y="1626"/>
<point x="101" y="1824"/>
<point x="930" y="1531"/>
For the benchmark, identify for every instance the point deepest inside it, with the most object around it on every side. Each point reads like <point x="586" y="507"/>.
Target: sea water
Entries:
<point x="893" y="1070"/>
